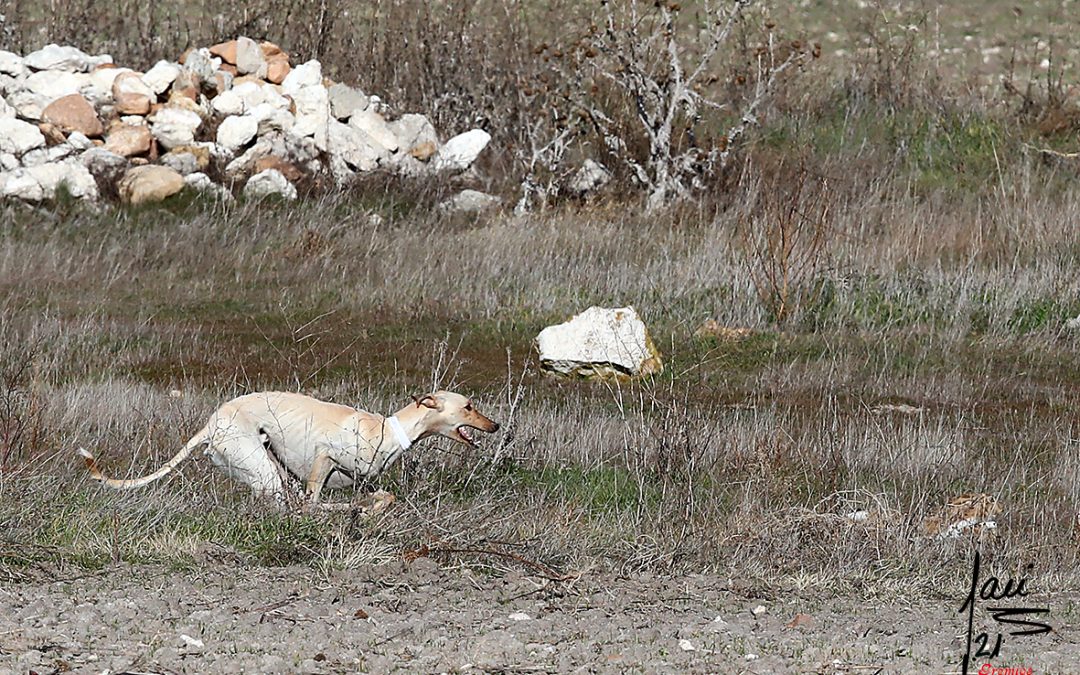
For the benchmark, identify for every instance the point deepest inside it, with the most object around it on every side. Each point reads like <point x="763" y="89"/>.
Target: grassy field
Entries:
<point x="941" y="279"/>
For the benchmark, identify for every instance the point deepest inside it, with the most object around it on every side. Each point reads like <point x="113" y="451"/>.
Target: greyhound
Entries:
<point x="260" y="439"/>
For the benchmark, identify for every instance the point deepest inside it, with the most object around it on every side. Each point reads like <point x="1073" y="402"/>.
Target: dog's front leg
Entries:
<point x="320" y="471"/>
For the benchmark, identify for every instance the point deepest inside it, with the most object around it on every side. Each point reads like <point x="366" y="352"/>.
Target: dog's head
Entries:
<point x="452" y="415"/>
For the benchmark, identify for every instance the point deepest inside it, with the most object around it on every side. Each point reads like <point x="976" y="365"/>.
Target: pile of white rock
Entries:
<point x="71" y="119"/>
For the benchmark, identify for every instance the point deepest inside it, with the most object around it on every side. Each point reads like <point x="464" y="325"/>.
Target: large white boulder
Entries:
<point x="27" y="105"/>
<point x="269" y="182"/>
<point x="246" y="96"/>
<point x="599" y="343"/>
<point x="270" y="118"/>
<point x="18" y="137"/>
<point x="461" y="151"/>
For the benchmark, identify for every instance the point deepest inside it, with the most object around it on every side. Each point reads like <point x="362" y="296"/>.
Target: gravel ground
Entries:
<point x="420" y="617"/>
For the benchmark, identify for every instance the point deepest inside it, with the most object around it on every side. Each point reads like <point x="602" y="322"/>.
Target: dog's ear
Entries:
<point x="427" y="400"/>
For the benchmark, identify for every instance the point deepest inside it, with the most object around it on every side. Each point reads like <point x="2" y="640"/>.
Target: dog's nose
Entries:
<point x="494" y="427"/>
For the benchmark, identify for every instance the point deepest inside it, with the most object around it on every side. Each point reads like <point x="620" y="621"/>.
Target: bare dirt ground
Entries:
<point x="420" y="617"/>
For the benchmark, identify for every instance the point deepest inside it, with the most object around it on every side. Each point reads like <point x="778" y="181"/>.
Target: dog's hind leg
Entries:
<point x="245" y="458"/>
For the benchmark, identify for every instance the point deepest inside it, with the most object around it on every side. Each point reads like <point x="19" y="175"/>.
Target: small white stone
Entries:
<point x="687" y="646"/>
<point x="202" y="183"/>
<point x="191" y="642"/>
<point x="520" y="616"/>
<point x="759" y="610"/>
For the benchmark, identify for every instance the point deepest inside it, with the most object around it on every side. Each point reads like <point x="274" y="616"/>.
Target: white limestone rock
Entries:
<point x="249" y="58"/>
<point x="160" y="77"/>
<point x="304" y="75"/>
<point x="202" y="183"/>
<point x="269" y="182"/>
<point x="51" y="85"/>
<point x="237" y="131"/>
<point x="271" y="118"/>
<point x="64" y="58"/>
<point x="470" y="201"/>
<point x="599" y="343"/>
<point x="373" y="124"/>
<point x="18" y="137"/>
<point x="462" y="150"/>
<point x="413" y="130"/>
<point x="346" y="100"/>
<point x="312" y="114"/>
<point x="42" y="181"/>
<point x="173" y="127"/>
<point x="355" y="148"/>
<point x="27" y="105"/>
<point x="12" y="64"/>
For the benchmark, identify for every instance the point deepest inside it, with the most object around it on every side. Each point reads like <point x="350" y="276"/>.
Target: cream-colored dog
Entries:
<point x="261" y="439"/>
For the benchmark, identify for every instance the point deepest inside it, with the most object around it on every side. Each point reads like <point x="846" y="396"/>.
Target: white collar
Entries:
<point x="399" y="432"/>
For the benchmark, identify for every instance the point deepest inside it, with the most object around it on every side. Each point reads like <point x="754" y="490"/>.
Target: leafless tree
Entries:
<point x="646" y="54"/>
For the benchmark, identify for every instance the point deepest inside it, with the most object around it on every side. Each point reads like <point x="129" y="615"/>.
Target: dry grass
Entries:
<point x="942" y="279"/>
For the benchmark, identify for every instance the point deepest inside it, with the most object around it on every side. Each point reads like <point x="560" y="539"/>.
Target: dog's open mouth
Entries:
<point x="463" y="432"/>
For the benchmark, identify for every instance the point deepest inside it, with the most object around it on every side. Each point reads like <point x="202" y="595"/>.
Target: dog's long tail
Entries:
<point x="126" y="484"/>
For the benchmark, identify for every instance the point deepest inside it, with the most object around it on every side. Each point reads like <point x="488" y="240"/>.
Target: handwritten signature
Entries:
<point x="993" y="590"/>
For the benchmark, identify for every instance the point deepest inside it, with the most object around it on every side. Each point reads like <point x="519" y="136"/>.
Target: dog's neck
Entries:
<point x="411" y="420"/>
